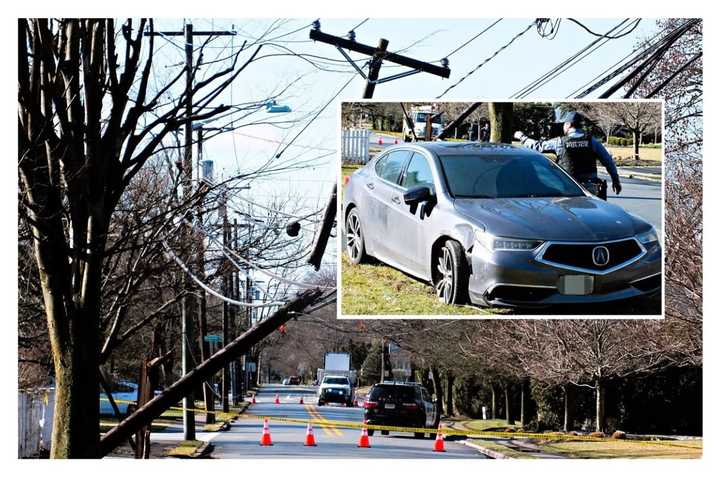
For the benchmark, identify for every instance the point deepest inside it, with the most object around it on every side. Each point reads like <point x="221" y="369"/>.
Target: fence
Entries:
<point x="35" y="417"/>
<point x="355" y="145"/>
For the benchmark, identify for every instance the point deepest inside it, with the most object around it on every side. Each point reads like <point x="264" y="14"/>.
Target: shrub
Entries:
<point x="619" y="435"/>
<point x="597" y="435"/>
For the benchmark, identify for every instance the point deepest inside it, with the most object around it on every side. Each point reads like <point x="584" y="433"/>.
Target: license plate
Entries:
<point x="389" y="406"/>
<point x="576" y="284"/>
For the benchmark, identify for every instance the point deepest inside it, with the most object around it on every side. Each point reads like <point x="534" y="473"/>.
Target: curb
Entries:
<point x="485" y="451"/>
<point x="642" y="176"/>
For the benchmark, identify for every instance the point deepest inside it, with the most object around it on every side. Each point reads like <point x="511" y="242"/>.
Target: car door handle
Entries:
<point x="371" y="186"/>
<point x="396" y="200"/>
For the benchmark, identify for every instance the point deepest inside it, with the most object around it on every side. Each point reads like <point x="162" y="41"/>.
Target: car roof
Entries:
<point x="469" y="148"/>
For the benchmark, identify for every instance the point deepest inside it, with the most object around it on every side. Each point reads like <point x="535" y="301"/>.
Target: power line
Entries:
<point x="633" y="52"/>
<point x="610" y="37"/>
<point x="523" y="32"/>
<point x="566" y="64"/>
<point x="316" y="115"/>
<point x="359" y="25"/>
<point x="474" y="38"/>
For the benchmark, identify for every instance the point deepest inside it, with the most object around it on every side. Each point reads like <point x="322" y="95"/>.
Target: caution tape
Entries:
<point x="315" y="420"/>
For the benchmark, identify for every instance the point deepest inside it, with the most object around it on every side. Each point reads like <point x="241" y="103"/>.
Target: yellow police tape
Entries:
<point x="445" y="431"/>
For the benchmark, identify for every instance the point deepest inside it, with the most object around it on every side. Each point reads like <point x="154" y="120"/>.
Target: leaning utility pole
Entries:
<point x="188" y="401"/>
<point x="378" y="54"/>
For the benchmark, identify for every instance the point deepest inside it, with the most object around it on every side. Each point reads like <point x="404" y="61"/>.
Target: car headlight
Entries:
<point x="649" y="236"/>
<point x="494" y="243"/>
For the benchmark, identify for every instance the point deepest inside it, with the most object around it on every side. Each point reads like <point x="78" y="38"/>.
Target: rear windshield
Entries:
<point x="506" y="176"/>
<point x="336" y="381"/>
<point x="399" y="393"/>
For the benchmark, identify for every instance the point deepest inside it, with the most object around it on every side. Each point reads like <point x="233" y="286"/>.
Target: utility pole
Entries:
<point x="188" y="401"/>
<point x="379" y="54"/>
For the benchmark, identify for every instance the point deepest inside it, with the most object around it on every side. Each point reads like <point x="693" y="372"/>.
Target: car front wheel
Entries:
<point x="354" y="240"/>
<point x="452" y="273"/>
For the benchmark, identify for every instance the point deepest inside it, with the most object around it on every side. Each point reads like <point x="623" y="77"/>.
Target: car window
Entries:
<point x="398" y="393"/>
<point x="336" y="381"/>
<point x="389" y="167"/>
<point x="418" y="173"/>
<point x="506" y="176"/>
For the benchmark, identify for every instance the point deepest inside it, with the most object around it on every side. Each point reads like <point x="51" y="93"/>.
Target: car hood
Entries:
<point x="577" y="219"/>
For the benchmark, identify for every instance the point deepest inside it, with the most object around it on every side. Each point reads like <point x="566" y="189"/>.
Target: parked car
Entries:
<point x="400" y="405"/>
<point x="335" y="389"/>
<point x="286" y="381"/>
<point x="294" y="380"/>
<point x="125" y="395"/>
<point x="496" y="225"/>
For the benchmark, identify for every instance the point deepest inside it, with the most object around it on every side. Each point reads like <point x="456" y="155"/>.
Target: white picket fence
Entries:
<point x="355" y="145"/>
<point x="35" y="418"/>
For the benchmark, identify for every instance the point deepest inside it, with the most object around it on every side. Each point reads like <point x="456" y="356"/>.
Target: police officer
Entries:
<point x="577" y="152"/>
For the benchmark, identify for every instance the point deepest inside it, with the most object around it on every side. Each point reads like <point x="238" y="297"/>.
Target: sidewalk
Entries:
<point x="642" y="173"/>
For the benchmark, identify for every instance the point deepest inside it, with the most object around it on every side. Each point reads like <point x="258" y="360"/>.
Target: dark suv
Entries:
<point x="400" y="405"/>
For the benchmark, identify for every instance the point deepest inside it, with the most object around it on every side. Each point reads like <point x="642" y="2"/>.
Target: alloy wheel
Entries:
<point x="444" y="287"/>
<point x="354" y="237"/>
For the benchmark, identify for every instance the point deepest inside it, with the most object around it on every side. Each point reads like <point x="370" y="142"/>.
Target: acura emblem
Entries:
<point x="600" y="256"/>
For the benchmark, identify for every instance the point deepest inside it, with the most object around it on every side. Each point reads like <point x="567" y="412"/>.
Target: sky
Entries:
<point x="527" y="58"/>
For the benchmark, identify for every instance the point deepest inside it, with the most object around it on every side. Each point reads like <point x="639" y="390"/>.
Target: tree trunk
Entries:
<point x="493" y="403"/>
<point x="437" y="386"/>
<point x="569" y="404"/>
<point x="76" y="420"/>
<point x="636" y="143"/>
<point x="599" y="406"/>
<point x="500" y="122"/>
<point x="450" y="405"/>
<point x="506" y="392"/>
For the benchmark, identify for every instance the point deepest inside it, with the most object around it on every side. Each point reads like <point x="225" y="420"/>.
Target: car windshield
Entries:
<point x="399" y="393"/>
<point x="506" y="176"/>
<point x="336" y="381"/>
<point x="422" y="117"/>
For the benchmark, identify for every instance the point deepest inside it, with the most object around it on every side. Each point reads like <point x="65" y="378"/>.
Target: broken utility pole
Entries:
<point x="458" y="121"/>
<point x="378" y="54"/>
<point x="178" y="390"/>
<point x="325" y="230"/>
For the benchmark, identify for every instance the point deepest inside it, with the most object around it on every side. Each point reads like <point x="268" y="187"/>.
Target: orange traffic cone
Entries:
<point x="265" y="440"/>
<point x="380" y="141"/>
<point x="310" y="437"/>
<point x="364" y="441"/>
<point x="277" y="398"/>
<point x="253" y="399"/>
<point x="439" y="445"/>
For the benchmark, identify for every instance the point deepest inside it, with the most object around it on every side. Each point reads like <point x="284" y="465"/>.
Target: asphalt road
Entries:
<point x="243" y="438"/>
<point x="639" y="197"/>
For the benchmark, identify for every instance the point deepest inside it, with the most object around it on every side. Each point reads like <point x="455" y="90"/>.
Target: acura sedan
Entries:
<point x="497" y="225"/>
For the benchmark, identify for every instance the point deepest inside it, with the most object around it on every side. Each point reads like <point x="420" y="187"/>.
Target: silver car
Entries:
<point x="496" y="225"/>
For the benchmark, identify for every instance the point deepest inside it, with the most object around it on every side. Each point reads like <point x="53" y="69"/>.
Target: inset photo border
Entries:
<point x="500" y="212"/>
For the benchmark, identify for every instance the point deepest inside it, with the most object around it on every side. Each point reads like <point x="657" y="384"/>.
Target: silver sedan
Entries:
<point x="496" y="225"/>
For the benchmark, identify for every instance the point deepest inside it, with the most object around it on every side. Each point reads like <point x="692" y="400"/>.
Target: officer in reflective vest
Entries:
<point x="577" y="152"/>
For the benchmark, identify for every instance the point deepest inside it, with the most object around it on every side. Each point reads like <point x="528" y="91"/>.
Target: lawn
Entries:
<point x="480" y="425"/>
<point x="624" y="156"/>
<point x="376" y="289"/>
<point x="626" y="449"/>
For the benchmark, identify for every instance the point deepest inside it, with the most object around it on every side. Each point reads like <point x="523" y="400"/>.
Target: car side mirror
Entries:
<point x="416" y="195"/>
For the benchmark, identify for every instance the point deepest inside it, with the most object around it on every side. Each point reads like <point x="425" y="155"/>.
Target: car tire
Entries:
<point x="320" y="403"/>
<point x="419" y="434"/>
<point x="354" y="237"/>
<point x="450" y="264"/>
<point x="384" y="432"/>
<point x="370" y="432"/>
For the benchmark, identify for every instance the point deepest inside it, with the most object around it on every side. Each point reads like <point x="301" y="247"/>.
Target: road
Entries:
<point x="242" y="440"/>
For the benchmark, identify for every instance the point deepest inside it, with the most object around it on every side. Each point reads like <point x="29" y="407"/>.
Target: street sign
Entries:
<point x="213" y="338"/>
